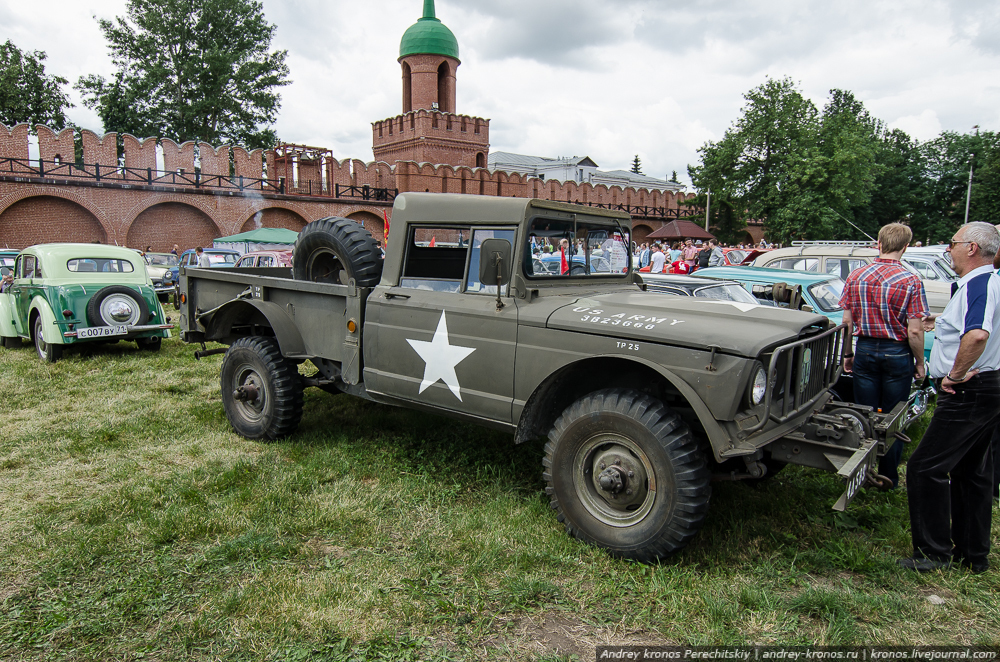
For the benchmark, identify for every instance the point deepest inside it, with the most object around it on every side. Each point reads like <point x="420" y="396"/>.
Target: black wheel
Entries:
<point x="334" y="250"/>
<point x="261" y="389"/>
<point x="577" y="270"/>
<point x="624" y="473"/>
<point x="46" y="352"/>
<point x="116" y="305"/>
<point x="12" y="343"/>
<point x="149" y="344"/>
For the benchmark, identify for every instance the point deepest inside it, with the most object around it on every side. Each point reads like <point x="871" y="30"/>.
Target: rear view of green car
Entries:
<point x="64" y="294"/>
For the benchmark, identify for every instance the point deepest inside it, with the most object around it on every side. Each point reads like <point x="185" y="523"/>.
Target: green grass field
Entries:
<point x="134" y="524"/>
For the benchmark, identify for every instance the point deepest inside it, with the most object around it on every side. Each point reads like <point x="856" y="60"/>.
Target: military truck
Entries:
<point x="525" y="315"/>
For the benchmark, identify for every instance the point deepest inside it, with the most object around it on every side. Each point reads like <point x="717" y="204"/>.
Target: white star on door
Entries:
<point x="440" y="358"/>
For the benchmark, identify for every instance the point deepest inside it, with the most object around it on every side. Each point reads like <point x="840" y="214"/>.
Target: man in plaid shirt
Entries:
<point x="884" y="306"/>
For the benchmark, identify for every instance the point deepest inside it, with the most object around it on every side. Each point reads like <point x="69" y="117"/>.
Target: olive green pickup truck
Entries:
<point x="525" y="315"/>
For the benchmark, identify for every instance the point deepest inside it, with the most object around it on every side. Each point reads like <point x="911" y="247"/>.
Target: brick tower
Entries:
<point x="429" y="130"/>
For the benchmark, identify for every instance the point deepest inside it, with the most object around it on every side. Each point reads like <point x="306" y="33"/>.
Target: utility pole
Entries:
<point x="968" y="193"/>
<point x="708" y="205"/>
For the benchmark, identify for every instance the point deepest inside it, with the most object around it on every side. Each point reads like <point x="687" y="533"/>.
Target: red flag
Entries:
<point x="563" y="265"/>
<point x="432" y="242"/>
<point x="385" y="234"/>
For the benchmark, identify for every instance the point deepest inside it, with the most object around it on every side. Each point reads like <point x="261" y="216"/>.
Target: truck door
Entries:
<point x="440" y="338"/>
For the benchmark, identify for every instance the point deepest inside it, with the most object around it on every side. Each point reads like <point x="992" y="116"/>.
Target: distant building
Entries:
<point x="581" y="170"/>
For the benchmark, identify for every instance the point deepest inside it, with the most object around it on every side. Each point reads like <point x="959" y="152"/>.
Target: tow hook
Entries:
<point x="883" y="483"/>
<point x="246" y="393"/>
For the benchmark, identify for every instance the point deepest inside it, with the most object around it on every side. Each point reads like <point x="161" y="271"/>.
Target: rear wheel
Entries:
<point x="117" y="305"/>
<point x="624" y="473"/>
<point x="46" y="352"/>
<point x="261" y="389"/>
<point x="335" y="250"/>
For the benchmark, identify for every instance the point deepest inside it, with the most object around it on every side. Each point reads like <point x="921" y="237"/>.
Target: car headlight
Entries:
<point x="167" y="277"/>
<point x="758" y="386"/>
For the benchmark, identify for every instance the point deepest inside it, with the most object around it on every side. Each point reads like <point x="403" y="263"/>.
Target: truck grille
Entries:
<point x="799" y="373"/>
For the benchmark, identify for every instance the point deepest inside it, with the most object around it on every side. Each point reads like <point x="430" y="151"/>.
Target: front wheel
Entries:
<point x="625" y="474"/>
<point x="261" y="389"/>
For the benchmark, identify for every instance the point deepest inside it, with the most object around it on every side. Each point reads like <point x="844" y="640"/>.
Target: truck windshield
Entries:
<point x="559" y="248"/>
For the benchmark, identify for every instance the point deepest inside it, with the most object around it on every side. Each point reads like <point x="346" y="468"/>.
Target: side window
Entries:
<point x="472" y="283"/>
<point x="266" y="261"/>
<point x="925" y="270"/>
<point x="18" y="266"/>
<point x="797" y="263"/>
<point x="663" y="289"/>
<point x="435" y="258"/>
<point x="29" y="266"/>
<point x="565" y="247"/>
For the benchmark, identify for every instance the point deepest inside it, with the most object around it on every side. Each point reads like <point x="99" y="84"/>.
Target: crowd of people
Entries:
<point x="687" y="256"/>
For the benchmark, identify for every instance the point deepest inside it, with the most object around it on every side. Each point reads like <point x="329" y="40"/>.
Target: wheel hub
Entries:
<point x="247" y="392"/>
<point x="120" y="312"/>
<point x="619" y="477"/>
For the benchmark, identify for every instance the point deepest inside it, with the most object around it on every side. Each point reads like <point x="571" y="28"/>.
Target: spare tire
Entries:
<point x="334" y="250"/>
<point x="117" y="305"/>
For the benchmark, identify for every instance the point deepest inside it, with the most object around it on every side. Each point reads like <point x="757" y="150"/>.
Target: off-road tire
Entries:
<point x="334" y="250"/>
<point x="669" y="471"/>
<point x="12" y="343"/>
<point x="276" y="412"/>
<point x="149" y="344"/>
<point x="94" y="315"/>
<point x="47" y="352"/>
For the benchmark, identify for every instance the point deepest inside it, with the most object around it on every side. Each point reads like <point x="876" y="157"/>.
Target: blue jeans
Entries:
<point x="883" y="373"/>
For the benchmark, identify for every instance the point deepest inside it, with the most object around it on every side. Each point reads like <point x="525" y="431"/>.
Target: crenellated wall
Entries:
<point x="432" y="136"/>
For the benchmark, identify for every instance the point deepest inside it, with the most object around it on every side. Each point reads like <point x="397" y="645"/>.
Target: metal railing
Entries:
<point x="123" y="175"/>
<point x="646" y="211"/>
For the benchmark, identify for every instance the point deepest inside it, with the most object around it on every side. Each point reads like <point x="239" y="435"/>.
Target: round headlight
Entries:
<point x="758" y="387"/>
<point x="167" y="277"/>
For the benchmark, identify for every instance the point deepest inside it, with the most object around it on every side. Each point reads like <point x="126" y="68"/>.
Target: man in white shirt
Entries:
<point x="717" y="258"/>
<point x="657" y="260"/>
<point x="203" y="260"/>
<point x="950" y="475"/>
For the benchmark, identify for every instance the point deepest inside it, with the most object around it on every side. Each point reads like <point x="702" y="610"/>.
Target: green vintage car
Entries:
<point x="63" y="294"/>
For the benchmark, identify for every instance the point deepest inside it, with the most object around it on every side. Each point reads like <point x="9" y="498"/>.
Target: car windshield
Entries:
<point x="827" y="294"/>
<point x="221" y="258"/>
<point x="946" y="269"/>
<point x="98" y="265"/>
<point x="162" y="259"/>
<point x="726" y="292"/>
<point x="562" y="247"/>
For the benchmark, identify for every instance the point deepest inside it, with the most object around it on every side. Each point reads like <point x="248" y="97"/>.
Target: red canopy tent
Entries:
<point x="680" y="230"/>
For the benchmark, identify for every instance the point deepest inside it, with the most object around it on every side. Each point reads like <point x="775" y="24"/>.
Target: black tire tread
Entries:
<point x="691" y="473"/>
<point x="349" y="239"/>
<point x="287" y="385"/>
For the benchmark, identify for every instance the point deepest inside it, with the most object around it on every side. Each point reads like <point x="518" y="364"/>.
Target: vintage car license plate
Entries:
<point x="101" y="331"/>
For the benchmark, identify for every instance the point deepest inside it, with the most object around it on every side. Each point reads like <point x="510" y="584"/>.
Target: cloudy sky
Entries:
<point x="603" y="78"/>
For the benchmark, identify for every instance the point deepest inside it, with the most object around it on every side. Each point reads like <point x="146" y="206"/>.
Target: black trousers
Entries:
<point x="950" y="476"/>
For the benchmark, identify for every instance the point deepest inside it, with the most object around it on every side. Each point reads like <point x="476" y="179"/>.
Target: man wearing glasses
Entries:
<point x="950" y="475"/>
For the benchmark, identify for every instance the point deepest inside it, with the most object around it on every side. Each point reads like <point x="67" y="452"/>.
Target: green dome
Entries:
<point x="428" y="36"/>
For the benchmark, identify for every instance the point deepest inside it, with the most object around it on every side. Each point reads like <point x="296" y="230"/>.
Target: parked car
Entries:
<point x="690" y="286"/>
<point x="266" y="259"/>
<point x="157" y="266"/>
<point x="218" y="257"/>
<point x="820" y="292"/>
<point x="840" y="259"/>
<point x="7" y="257"/>
<point x="737" y="256"/>
<point x="550" y="264"/>
<point x="64" y="294"/>
<point x="933" y="263"/>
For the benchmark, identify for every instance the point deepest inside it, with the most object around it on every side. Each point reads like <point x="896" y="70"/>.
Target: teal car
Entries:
<point x="820" y="292"/>
<point x="65" y="294"/>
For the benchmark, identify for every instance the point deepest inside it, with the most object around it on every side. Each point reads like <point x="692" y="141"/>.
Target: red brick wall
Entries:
<point x="276" y="218"/>
<point x="161" y="226"/>
<point x="45" y="219"/>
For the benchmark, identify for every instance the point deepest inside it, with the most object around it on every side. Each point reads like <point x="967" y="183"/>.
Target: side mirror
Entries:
<point x="495" y="262"/>
<point x="806" y="308"/>
<point x="4" y="271"/>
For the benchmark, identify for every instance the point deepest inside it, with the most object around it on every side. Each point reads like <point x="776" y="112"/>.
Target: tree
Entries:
<point x="636" y="165"/>
<point x="26" y="93"/>
<point x="191" y="70"/>
<point x="673" y="177"/>
<point x="948" y="159"/>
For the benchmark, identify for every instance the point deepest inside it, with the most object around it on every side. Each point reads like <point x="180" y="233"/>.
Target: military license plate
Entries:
<point x="101" y="331"/>
<point x="855" y="472"/>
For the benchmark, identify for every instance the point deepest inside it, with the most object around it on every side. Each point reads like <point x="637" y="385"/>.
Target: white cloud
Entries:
<point x="924" y="126"/>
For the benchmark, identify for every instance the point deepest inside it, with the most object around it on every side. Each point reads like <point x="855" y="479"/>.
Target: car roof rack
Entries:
<point x="855" y="244"/>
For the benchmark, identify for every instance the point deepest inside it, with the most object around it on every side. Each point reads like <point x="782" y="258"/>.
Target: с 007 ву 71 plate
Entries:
<point x="101" y="331"/>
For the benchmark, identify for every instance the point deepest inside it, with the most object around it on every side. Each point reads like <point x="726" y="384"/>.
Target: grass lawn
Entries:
<point x="134" y="524"/>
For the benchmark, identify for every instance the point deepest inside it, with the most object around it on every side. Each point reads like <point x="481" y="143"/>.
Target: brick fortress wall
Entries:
<point x="138" y="206"/>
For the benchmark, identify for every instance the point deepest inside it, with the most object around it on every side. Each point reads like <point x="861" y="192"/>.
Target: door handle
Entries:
<point x="393" y="295"/>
